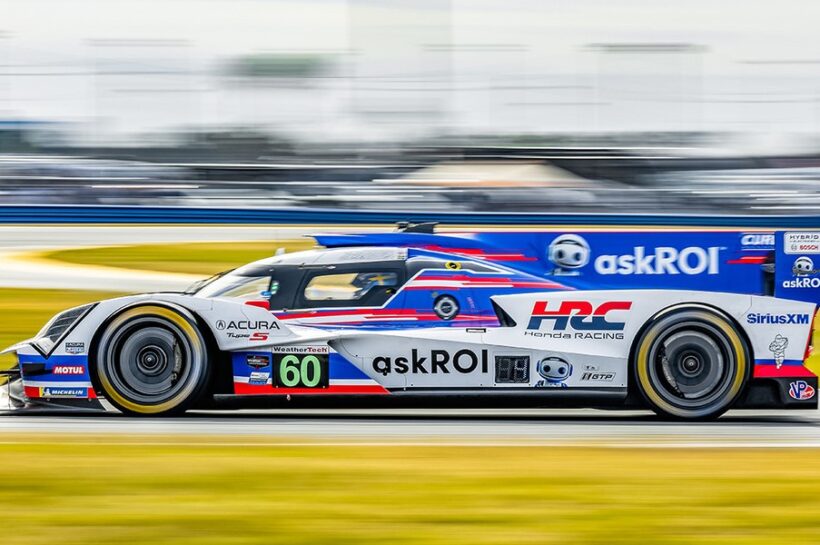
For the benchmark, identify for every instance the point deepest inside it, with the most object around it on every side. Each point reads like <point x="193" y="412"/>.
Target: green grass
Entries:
<point x="95" y="492"/>
<point x="23" y="312"/>
<point x="203" y="258"/>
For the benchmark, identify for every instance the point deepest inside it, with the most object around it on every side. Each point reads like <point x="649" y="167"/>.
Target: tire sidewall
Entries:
<point x="653" y="333"/>
<point x="197" y="382"/>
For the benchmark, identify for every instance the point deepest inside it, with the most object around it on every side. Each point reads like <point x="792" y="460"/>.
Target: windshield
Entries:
<point x="235" y="285"/>
<point x="199" y="284"/>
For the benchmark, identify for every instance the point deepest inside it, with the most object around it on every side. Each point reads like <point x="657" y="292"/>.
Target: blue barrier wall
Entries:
<point x="140" y="214"/>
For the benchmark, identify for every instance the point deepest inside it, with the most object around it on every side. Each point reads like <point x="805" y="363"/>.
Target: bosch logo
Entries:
<point x="801" y="243"/>
<point x="578" y="315"/>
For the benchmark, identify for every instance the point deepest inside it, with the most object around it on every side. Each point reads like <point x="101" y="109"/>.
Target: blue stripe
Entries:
<point x="58" y="378"/>
<point x="342" y="369"/>
<point x="63" y="359"/>
<point x="140" y="214"/>
<point x="785" y="362"/>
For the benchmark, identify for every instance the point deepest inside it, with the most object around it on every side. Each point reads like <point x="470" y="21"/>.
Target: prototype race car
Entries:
<point x="688" y="324"/>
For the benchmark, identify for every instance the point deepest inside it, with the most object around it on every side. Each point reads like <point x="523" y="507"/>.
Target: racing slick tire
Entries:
<point x="691" y="362"/>
<point x="152" y="360"/>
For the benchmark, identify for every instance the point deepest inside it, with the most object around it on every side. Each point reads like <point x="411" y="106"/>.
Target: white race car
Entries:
<point x="410" y="324"/>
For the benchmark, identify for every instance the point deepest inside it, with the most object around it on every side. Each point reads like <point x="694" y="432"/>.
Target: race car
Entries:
<point x="687" y="324"/>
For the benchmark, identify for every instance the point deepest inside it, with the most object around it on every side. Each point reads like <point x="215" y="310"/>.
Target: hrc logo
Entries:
<point x="579" y="315"/>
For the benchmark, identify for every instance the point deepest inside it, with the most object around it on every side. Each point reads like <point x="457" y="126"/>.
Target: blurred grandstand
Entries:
<point x="412" y="176"/>
<point x="527" y="106"/>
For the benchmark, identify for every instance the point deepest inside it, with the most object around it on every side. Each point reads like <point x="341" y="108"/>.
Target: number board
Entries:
<point x="300" y="370"/>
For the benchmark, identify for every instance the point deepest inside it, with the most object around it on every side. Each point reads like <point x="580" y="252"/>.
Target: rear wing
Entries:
<point x="756" y="262"/>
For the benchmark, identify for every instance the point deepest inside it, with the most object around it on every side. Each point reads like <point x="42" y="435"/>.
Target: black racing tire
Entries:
<point x="152" y="360"/>
<point x="691" y="362"/>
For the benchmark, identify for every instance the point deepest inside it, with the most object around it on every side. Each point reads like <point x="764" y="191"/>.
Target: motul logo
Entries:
<point x="68" y="370"/>
<point x="579" y="315"/>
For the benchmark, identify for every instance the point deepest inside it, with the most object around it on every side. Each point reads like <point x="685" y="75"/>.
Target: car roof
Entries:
<point x="336" y="256"/>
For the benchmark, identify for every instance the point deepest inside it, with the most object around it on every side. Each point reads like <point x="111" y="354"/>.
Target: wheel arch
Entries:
<point x="202" y="325"/>
<point x="633" y="395"/>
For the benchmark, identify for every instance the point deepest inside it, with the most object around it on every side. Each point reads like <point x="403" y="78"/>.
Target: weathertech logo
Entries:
<point x="578" y="315"/>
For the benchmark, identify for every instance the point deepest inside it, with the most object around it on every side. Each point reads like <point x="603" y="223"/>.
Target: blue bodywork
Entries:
<point x="733" y="261"/>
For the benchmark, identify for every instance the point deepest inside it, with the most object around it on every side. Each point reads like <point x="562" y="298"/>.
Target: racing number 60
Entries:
<point x="307" y="371"/>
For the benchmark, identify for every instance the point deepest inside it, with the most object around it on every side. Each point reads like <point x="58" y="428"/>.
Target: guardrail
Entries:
<point x="141" y="214"/>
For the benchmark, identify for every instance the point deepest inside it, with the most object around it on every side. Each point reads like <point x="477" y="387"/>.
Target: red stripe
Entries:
<point x="748" y="260"/>
<point x="785" y="371"/>
<point x="370" y="314"/>
<point x="474" y="252"/>
<point x="345" y="312"/>
<point x="254" y="389"/>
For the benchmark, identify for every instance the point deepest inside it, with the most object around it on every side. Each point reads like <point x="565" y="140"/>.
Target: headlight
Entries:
<point x="58" y="327"/>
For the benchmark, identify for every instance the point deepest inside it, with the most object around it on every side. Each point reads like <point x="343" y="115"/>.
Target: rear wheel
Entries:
<point x="152" y="360"/>
<point x="691" y="362"/>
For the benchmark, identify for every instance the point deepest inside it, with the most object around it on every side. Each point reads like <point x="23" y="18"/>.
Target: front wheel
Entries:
<point x="691" y="362"/>
<point x="152" y="360"/>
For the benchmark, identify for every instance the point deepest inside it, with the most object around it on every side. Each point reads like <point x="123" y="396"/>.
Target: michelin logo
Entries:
<point x="778" y="348"/>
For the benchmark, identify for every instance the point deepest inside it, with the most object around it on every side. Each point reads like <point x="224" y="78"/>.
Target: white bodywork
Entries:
<point x="458" y="358"/>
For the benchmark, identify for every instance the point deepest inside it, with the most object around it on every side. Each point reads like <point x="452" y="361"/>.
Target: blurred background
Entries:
<point x="369" y="112"/>
<point x="450" y="105"/>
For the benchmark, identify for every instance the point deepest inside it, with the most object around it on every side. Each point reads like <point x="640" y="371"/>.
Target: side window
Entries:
<point x="252" y="289"/>
<point x="348" y="289"/>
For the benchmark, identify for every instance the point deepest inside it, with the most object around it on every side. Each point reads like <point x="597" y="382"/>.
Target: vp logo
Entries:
<point x="579" y="315"/>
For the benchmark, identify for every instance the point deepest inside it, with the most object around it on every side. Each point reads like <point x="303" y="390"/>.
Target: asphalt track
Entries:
<point x="739" y="429"/>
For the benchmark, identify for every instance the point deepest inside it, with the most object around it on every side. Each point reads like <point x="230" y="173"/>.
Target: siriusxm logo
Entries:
<point x="662" y="260"/>
<point x="777" y="319"/>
